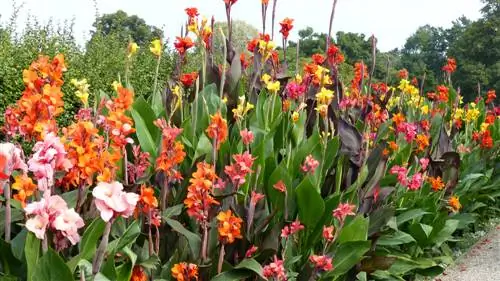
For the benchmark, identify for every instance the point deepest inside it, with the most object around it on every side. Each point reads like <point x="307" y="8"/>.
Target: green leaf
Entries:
<point x="32" y="253"/>
<point x="16" y="215"/>
<point x="146" y="141"/>
<point x="252" y="265"/>
<point x="17" y="244"/>
<point x="348" y="255"/>
<point x="311" y="205"/>
<point x="421" y="232"/>
<point x="71" y="197"/>
<point x="173" y="211"/>
<point x="379" y="218"/>
<point x="397" y="238"/>
<point x="203" y="147"/>
<point x="231" y="275"/>
<point x="193" y="239"/>
<point x="88" y="244"/>
<point x="356" y="230"/>
<point x="410" y="215"/>
<point x="51" y="267"/>
<point x="124" y="271"/>
<point x="148" y="115"/>
<point x="445" y="233"/>
<point x="130" y="235"/>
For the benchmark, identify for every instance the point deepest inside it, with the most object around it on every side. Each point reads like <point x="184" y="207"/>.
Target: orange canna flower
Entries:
<point x="199" y="198"/>
<point x="187" y="79"/>
<point x="138" y="274"/>
<point x="172" y="151"/>
<point x="280" y="186"/>
<point x="147" y="197"/>
<point x="264" y="2"/>
<point x="229" y="227"/>
<point x="25" y="188"/>
<point x="436" y="183"/>
<point x="398" y="118"/>
<point x="393" y="145"/>
<point x="182" y="44"/>
<point x="451" y="66"/>
<point x="442" y="93"/>
<point x="185" y="272"/>
<point x="422" y="142"/>
<point x="454" y="203"/>
<point x="217" y="129"/>
<point x="490" y="96"/>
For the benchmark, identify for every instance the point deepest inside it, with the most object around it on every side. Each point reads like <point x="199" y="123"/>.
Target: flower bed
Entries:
<point x="242" y="171"/>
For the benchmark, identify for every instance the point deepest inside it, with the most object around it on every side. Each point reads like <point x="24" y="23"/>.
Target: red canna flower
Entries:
<point x="328" y="233"/>
<point x="240" y="168"/>
<point x="187" y="79"/>
<point x="442" y="93"/>
<point x="318" y="59"/>
<point x="310" y="164"/>
<point x="291" y="229"/>
<point x="244" y="62"/>
<point x="275" y="269"/>
<point x="138" y="274"/>
<point x="321" y="263"/>
<point x="251" y="251"/>
<point x="343" y="210"/>
<point x="192" y="12"/>
<point x="490" y="96"/>
<point x="286" y="27"/>
<point x="334" y="55"/>
<point x="403" y="74"/>
<point x="217" y="129"/>
<point x="280" y="186"/>
<point x="256" y="197"/>
<point x="182" y="44"/>
<point x="486" y="140"/>
<point x="451" y="66"/>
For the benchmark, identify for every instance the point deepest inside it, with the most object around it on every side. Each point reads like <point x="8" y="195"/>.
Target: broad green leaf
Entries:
<point x="173" y="211"/>
<point x="421" y="232"/>
<point x="203" y="147"/>
<point x="231" y="275"/>
<point x="397" y="238"/>
<point x="32" y="253"/>
<point x="17" y="244"/>
<point x="51" y="267"/>
<point x="348" y="255"/>
<point x="71" y="197"/>
<point x="148" y="115"/>
<point x="379" y="218"/>
<point x="132" y="232"/>
<point x="252" y="265"/>
<point x="193" y="239"/>
<point x="89" y="243"/>
<point x="124" y="271"/>
<point x="146" y="141"/>
<point x="16" y="215"/>
<point x="311" y="205"/>
<point x="445" y="233"/>
<point x="356" y="230"/>
<point x="410" y="215"/>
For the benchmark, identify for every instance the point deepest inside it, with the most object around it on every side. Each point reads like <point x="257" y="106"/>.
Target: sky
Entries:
<point x="391" y="21"/>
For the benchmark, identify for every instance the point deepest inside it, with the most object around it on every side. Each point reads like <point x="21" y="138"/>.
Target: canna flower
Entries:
<point x="443" y="93"/>
<point x="318" y="59"/>
<point x="450" y="67"/>
<point x="230" y="2"/>
<point x="403" y="74"/>
<point x="275" y="269"/>
<point x="182" y="44"/>
<point x="436" y="183"/>
<point x="294" y="90"/>
<point x="409" y="130"/>
<point x="10" y="160"/>
<point x="273" y="87"/>
<point x="490" y="96"/>
<point x="334" y="56"/>
<point x="343" y="210"/>
<point x="328" y="233"/>
<point x="138" y="274"/>
<point x="454" y="203"/>
<point x="398" y="119"/>
<point x="472" y="113"/>
<point x="192" y="12"/>
<point x="217" y="129"/>
<point x="401" y="174"/>
<point x="324" y="96"/>
<point x="147" y="197"/>
<point x="185" y="272"/>
<point x="291" y="229"/>
<point x="132" y="49"/>
<point x="424" y="162"/>
<point x="172" y="151"/>
<point x="295" y="116"/>
<point x="112" y="201"/>
<point x="242" y="108"/>
<point x="199" y="198"/>
<point x="25" y="188"/>
<point x="310" y="164"/>
<point x="264" y="2"/>
<point x="321" y="263"/>
<point x="246" y="136"/>
<point x="415" y="182"/>
<point x="240" y="168"/>
<point x="188" y="79"/>
<point x="422" y="142"/>
<point x="68" y="222"/>
<point x="286" y="27"/>
<point x="82" y="91"/>
<point x="229" y="227"/>
<point x="155" y="47"/>
<point x="251" y="251"/>
<point x="280" y="186"/>
<point x="49" y="156"/>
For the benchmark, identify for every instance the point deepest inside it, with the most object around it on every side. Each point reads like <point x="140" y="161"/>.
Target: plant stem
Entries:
<point x="101" y="251"/>
<point x="45" y="244"/>
<point x="8" y="214"/>
<point x="204" y="246"/>
<point x="156" y="74"/>
<point x="274" y="17"/>
<point x="332" y="15"/>
<point x="221" y="258"/>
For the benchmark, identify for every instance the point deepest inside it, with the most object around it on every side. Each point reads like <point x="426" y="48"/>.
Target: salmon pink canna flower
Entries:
<point x="344" y="210"/>
<point x="112" y="201"/>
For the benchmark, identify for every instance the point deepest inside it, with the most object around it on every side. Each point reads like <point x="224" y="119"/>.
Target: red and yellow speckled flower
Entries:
<point x="217" y="129"/>
<point x="185" y="272"/>
<point x="199" y="198"/>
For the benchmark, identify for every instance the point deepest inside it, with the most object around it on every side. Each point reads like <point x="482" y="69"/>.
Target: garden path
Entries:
<point x="481" y="263"/>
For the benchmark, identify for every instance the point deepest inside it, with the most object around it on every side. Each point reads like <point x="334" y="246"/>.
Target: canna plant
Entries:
<point x="243" y="171"/>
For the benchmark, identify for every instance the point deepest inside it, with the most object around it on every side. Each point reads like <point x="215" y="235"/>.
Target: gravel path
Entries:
<point x="481" y="263"/>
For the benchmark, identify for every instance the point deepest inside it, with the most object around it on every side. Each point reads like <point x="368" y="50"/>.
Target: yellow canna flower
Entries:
<point x="472" y="113"/>
<point x="82" y="91"/>
<point x="132" y="49"/>
<point x="322" y="75"/>
<point x="484" y="127"/>
<point x="424" y="109"/>
<point x="176" y="91"/>
<point x="295" y="116"/>
<point x="324" y="96"/>
<point x="298" y="78"/>
<point x="115" y="85"/>
<point x="273" y="87"/>
<point x="266" y="78"/>
<point x="322" y="109"/>
<point x="459" y="113"/>
<point x="156" y="47"/>
<point x="242" y="109"/>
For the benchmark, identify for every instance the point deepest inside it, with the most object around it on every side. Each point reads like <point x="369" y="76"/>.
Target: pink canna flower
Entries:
<point x="49" y="156"/>
<point x="321" y="263"/>
<point x="256" y="197"/>
<point x="13" y="158"/>
<point x="275" y="270"/>
<point x="310" y="164"/>
<point x="295" y="90"/>
<point x="246" y="136"/>
<point x="424" y="162"/>
<point x="68" y="224"/>
<point x="328" y="233"/>
<point x="280" y="186"/>
<point x="38" y="225"/>
<point x="112" y="201"/>
<point x="251" y="251"/>
<point x="291" y="229"/>
<point x="239" y="170"/>
<point x="408" y="129"/>
<point x="415" y="182"/>
<point x="344" y="210"/>
<point x="401" y="174"/>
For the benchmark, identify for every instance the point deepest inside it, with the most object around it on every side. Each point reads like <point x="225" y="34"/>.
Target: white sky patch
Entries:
<point x="392" y="21"/>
